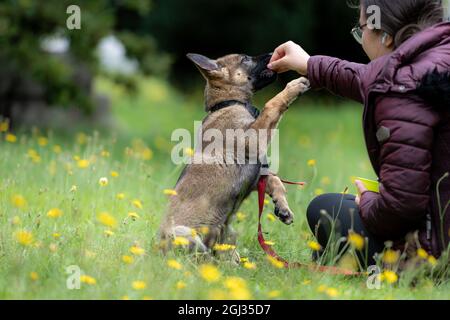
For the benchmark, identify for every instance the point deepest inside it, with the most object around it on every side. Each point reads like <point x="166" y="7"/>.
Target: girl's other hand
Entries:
<point x="289" y="56"/>
<point x="361" y="190"/>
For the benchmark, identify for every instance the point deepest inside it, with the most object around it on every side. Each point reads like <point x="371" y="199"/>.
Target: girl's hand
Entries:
<point x="289" y="56"/>
<point x="361" y="189"/>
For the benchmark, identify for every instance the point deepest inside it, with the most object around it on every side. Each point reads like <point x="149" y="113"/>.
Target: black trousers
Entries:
<point x="344" y="215"/>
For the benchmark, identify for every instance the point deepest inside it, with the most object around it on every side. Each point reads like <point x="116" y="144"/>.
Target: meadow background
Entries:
<point x="86" y="117"/>
<point x="55" y="211"/>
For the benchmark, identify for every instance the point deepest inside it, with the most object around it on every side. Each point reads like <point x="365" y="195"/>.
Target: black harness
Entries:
<point x="225" y="104"/>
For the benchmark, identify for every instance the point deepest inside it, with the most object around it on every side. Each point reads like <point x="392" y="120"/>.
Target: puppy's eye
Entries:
<point x="245" y="59"/>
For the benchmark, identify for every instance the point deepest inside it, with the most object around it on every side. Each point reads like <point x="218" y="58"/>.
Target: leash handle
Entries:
<point x="262" y="183"/>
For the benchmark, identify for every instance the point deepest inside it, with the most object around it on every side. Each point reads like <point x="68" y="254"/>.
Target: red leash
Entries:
<point x="268" y="249"/>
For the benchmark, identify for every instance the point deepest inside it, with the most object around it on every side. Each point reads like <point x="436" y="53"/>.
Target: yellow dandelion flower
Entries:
<point x="120" y="196"/>
<point x="34" y="276"/>
<point x="4" y="126"/>
<point x="314" y="245"/>
<point x="223" y="247"/>
<point x="133" y="215"/>
<point x="390" y="256"/>
<point x="174" y="264"/>
<point x="311" y="163"/>
<point x="243" y="259"/>
<point x="108" y="233"/>
<point x="10" y="138"/>
<point x="204" y="230"/>
<point x="114" y="174"/>
<point x="217" y="294"/>
<point x="432" y="260"/>
<point x="24" y="237"/>
<point x="240" y="216"/>
<point x="325" y="181"/>
<point x="103" y="181"/>
<point x="266" y="202"/>
<point x="56" y="235"/>
<point x="269" y="243"/>
<point x="332" y="292"/>
<point x="356" y="240"/>
<point x="136" y="250"/>
<point x="318" y="191"/>
<point x="180" y="241"/>
<point x="209" y="273"/>
<point x="322" y="288"/>
<point x="306" y="282"/>
<point x="249" y="265"/>
<point x="139" y="285"/>
<point x="240" y="294"/>
<point x="421" y="253"/>
<point x="271" y="217"/>
<point x="127" y="259"/>
<point x="106" y="219"/>
<point x="18" y="201"/>
<point x="189" y="152"/>
<point x="83" y="163"/>
<point x="88" y="279"/>
<point x="42" y="141"/>
<point x="234" y="283"/>
<point x="57" y="149"/>
<point x="137" y="203"/>
<point x="170" y="192"/>
<point x="273" y="294"/>
<point x="275" y="262"/>
<point x="181" y="285"/>
<point x="54" y="213"/>
<point x="147" y="154"/>
<point x="390" y="276"/>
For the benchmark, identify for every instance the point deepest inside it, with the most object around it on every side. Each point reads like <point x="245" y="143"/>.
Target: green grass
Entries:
<point x="330" y="135"/>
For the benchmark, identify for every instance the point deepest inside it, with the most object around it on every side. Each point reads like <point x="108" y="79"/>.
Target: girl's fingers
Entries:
<point x="278" y="65"/>
<point x="360" y="186"/>
<point x="279" y="53"/>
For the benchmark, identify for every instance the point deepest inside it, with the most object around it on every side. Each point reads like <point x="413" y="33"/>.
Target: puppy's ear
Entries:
<point x="204" y="64"/>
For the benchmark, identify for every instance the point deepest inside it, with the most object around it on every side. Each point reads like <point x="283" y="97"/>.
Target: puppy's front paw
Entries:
<point x="284" y="214"/>
<point x="295" y="88"/>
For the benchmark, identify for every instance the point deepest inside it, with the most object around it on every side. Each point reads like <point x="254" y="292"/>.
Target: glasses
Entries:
<point x="357" y="32"/>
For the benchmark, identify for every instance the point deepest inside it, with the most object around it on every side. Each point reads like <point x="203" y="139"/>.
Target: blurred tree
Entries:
<point x="219" y="27"/>
<point x="28" y="71"/>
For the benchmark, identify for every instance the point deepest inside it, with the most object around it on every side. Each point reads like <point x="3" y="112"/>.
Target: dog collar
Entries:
<point x="225" y="104"/>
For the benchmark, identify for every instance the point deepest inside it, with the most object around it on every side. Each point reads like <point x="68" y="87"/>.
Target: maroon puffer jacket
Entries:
<point x="406" y="124"/>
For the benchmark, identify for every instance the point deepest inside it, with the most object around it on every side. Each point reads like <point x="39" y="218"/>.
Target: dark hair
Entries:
<point x="404" y="18"/>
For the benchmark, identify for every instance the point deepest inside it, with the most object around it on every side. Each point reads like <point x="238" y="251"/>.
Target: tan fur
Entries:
<point x="209" y="195"/>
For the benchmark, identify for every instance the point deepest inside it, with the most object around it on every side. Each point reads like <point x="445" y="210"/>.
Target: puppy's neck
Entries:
<point x="216" y="95"/>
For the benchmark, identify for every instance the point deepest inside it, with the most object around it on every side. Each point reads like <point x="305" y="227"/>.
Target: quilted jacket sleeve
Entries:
<point x="338" y="76"/>
<point x="406" y="133"/>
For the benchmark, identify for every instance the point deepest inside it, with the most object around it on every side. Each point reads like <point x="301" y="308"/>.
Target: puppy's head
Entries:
<point x="236" y="70"/>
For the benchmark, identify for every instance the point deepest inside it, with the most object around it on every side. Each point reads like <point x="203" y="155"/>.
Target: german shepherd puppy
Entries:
<point x="208" y="195"/>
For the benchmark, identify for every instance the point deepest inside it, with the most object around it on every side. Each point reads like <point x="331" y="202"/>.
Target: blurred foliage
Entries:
<point x="24" y="24"/>
<point x="220" y="27"/>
